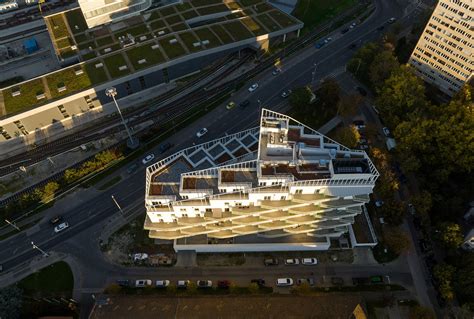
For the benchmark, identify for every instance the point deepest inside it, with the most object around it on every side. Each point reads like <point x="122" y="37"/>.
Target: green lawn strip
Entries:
<point x="267" y="22"/>
<point x="135" y="31"/>
<point x="172" y="50"/>
<point x="27" y="97"/>
<point x="206" y="34"/>
<point x="76" y="21"/>
<point x="89" y="56"/>
<point x="144" y="37"/>
<point x="221" y="33"/>
<point x="173" y="19"/>
<point x="64" y="43"/>
<point x="248" y="12"/>
<point x="202" y="3"/>
<point x="56" y="279"/>
<point x="114" y="180"/>
<point x="179" y="27"/>
<point x="152" y="56"/>
<point x="113" y="63"/>
<point x="238" y="30"/>
<point x="256" y="28"/>
<point x="111" y="48"/>
<point x="263" y="7"/>
<point x="58" y="26"/>
<point x="183" y="7"/>
<point x="213" y="9"/>
<point x="81" y="38"/>
<point x="96" y="75"/>
<point x="313" y="12"/>
<point x="104" y="41"/>
<point x="158" y="24"/>
<point x="189" y="14"/>
<point x="87" y="45"/>
<point x="281" y="18"/>
<point x="167" y="11"/>
<point x="188" y="39"/>
<point x="68" y="78"/>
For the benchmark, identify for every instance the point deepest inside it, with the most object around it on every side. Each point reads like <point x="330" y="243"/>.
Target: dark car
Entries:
<point x="353" y="46"/>
<point x="55" y="220"/>
<point x="165" y="147"/>
<point x="344" y="30"/>
<point x="361" y="91"/>
<point x="244" y="103"/>
<point x="223" y="284"/>
<point x="132" y="168"/>
<point x="320" y="44"/>
<point x="259" y="282"/>
<point x="360" y="281"/>
<point x="380" y="28"/>
<point x="123" y="283"/>
<point x="270" y="262"/>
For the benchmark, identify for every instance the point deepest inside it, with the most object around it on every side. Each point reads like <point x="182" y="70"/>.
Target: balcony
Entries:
<point x="280" y="214"/>
<point x="303" y="220"/>
<point x="306" y="209"/>
<point x="222" y="234"/>
<point x="191" y="220"/>
<point x="148" y="225"/>
<point x="299" y="229"/>
<point x="220" y="225"/>
<point x="340" y="203"/>
<point x="248" y="210"/>
<point x="246" y="230"/>
<point x="278" y="204"/>
<point x="310" y="198"/>
<point x="166" y="234"/>
<point x="273" y="225"/>
<point x="364" y="198"/>
<point x="326" y="233"/>
<point x="195" y="230"/>
<point x="247" y="220"/>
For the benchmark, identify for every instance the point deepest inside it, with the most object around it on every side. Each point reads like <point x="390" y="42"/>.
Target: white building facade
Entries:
<point x="280" y="186"/>
<point x="444" y="54"/>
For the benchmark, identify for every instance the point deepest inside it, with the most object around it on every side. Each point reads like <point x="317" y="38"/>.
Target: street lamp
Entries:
<point x="313" y="74"/>
<point x="116" y="203"/>
<point x="259" y="106"/>
<point x="12" y="224"/>
<point x="45" y="254"/>
<point x="112" y="92"/>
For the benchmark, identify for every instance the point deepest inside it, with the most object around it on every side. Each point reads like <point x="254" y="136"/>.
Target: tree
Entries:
<point x="396" y="240"/>
<point x="451" y="235"/>
<point x="299" y="99"/>
<point x="328" y="94"/>
<point x="444" y="273"/>
<point x="347" y="135"/>
<point x="422" y="203"/>
<point x="191" y="288"/>
<point x="48" y="192"/>
<point x="360" y="62"/>
<point x="348" y="105"/>
<point x="253" y="288"/>
<point x="11" y="299"/>
<point x="393" y="212"/>
<point x="420" y="312"/>
<point x="464" y="279"/>
<point x="304" y="288"/>
<point x="382" y="67"/>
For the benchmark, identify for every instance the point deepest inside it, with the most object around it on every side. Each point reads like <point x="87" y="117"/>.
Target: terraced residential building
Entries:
<point x="280" y="186"/>
<point x="444" y="54"/>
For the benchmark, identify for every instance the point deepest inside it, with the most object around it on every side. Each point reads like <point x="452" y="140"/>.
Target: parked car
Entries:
<point x="361" y="91"/>
<point x="327" y="40"/>
<point x="386" y="131"/>
<point x="411" y="209"/>
<point x="204" y="283"/>
<point x="352" y="46"/>
<point x="162" y="283"/>
<point x="392" y="20"/>
<point x="276" y="71"/>
<point x="320" y="44"/>
<point x="61" y="227"/>
<point x="123" y="282"/>
<point x="55" y="219"/>
<point x="148" y="159"/>
<point x="284" y="282"/>
<point x="230" y="105"/>
<point x="285" y="93"/>
<point x="379" y="203"/>
<point x="353" y="24"/>
<point x="224" y="284"/>
<point x="309" y="261"/>
<point x="164" y="147"/>
<point x="259" y="282"/>
<point x="182" y="283"/>
<point x="309" y="281"/>
<point x="345" y="30"/>
<point x="253" y="87"/>
<point x="142" y="283"/>
<point x="139" y="257"/>
<point x="360" y="281"/>
<point x="337" y="281"/>
<point x="132" y="168"/>
<point x="244" y="103"/>
<point x="359" y="124"/>
<point x="376" y="279"/>
<point x="201" y="132"/>
<point x="292" y="261"/>
<point x="270" y="262"/>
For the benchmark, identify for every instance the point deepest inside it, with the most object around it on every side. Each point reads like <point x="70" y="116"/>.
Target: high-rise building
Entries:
<point x="280" y="186"/>
<point x="97" y="12"/>
<point x="444" y="54"/>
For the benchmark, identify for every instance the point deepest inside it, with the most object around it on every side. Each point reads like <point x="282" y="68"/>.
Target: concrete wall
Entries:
<point x="225" y="248"/>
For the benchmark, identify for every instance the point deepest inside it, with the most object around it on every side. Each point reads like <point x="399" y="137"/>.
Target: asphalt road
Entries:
<point x="84" y="216"/>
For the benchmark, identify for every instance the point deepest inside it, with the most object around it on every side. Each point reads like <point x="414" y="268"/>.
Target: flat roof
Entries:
<point x="147" y="40"/>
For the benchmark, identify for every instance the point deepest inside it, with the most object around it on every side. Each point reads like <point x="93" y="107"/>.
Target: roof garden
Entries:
<point x="149" y="39"/>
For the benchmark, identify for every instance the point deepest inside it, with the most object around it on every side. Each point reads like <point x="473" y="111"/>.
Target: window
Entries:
<point x="283" y="198"/>
<point x="182" y="209"/>
<point x="267" y="197"/>
<point x="227" y="210"/>
<point x="299" y="191"/>
<point x="208" y="210"/>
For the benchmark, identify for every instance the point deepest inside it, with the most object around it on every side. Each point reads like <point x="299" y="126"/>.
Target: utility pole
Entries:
<point x="45" y="254"/>
<point x="116" y="203"/>
<point x="12" y="224"/>
<point x="132" y="143"/>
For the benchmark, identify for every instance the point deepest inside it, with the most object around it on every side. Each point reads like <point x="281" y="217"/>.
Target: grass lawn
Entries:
<point x="213" y="9"/>
<point x="76" y="21"/>
<point x="67" y="78"/>
<point x="96" y="75"/>
<point x="179" y="27"/>
<point x="167" y="11"/>
<point x="64" y="43"/>
<point x="281" y="18"/>
<point x="158" y="24"/>
<point x="313" y="12"/>
<point x="263" y="7"/>
<point x="144" y="52"/>
<point x="113" y="63"/>
<point x="202" y="3"/>
<point x="206" y="34"/>
<point x="104" y="41"/>
<point x="247" y="3"/>
<point x="81" y="38"/>
<point x="26" y="99"/>
<point x="254" y="26"/>
<point x="135" y="31"/>
<point x="188" y="39"/>
<point x="221" y="33"/>
<point x="172" y="50"/>
<point x="189" y="14"/>
<point x="173" y="19"/>
<point x="268" y="22"/>
<point x="183" y="6"/>
<point x="86" y="45"/>
<point x="58" y="26"/>
<point x="56" y="279"/>
<point x="238" y="30"/>
<point x="89" y="56"/>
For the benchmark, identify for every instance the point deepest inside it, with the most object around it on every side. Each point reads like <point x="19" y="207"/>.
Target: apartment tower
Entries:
<point x="444" y="54"/>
